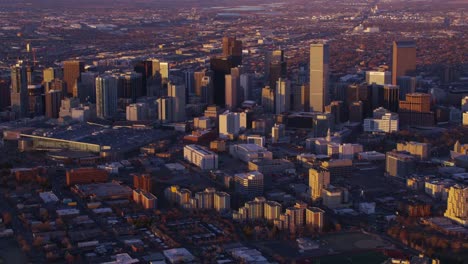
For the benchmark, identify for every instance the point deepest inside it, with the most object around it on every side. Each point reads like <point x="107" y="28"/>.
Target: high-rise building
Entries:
<point x="143" y="182"/>
<point x="106" y="96"/>
<point x="164" y="70"/>
<point x="198" y="78"/>
<point x="391" y="97"/>
<point x="404" y="59"/>
<point x="53" y="99"/>
<point x="464" y="104"/>
<point x="220" y="67"/>
<point x="418" y="149"/>
<point x="278" y="131"/>
<point x="229" y="124"/>
<point x="416" y="110"/>
<point x="457" y="204"/>
<point x="137" y="112"/>
<point x="314" y="218"/>
<point x="305" y="97"/>
<point x="383" y="121"/>
<point x="36" y="99"/>
<point x="131" y="86"/>
<point x="87" y="87"/>
<point x="246" y="84"/>
<point x="222" y="201"/>
<point x="378" y="77"/>
<point x="4" y="94"/>
<point x="19" y="91"/>
<point x="166" y="106"/>
<point x="337" y="109"/>
<point x="318" y="179"/>
<point x="282" y="96"/>
<point x="189" y="81"/>
<point x="319" y="60"/>
<point x="177" y="92"/>
<point x="232" y="89"/>
<point x="49" y="74"/>
<point x="207" y="90"/>
<point x="268" y="99"/>
<point x="272" y="210"/>
<point x="277" y="67"/>
<point x="356" y="111"/>
<point x="71" y="75"/>
<point x="233" y="48"/>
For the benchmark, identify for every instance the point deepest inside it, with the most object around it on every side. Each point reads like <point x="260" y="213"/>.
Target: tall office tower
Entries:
<point x="220" y="68"/>
<point x="319" y="60"/>
<point x="318" y="179"/>
<point x="314" y="218"/>
<point x="276" y="67"/>
<point x="268" y="99"/>
<point x="246" y="84"/>
<point x="87" y="87"/>
<point x="178" y="93"/>
<point x="282" y="96"/>
<point x="19" y="91"/>
<point x="378" y="77"/>
<point x="295" y="102"/>
<point x="232" y="89"/>
<point x="391" y="97"/>
<point x="278" y="131"/>
<point x="457" y="204"/>
<point x="164" y="71"/>
<point x="356" y="92"/>
<point x="166" y="106"/>
<point x="53" y="99"/>
<point x="416" y="110"/>
<point x="4" y="94"/>
<point x="29" y="74"/>
<point x="233" y="48"/>
<point x="71" y="75"/>
<point x="106" y="96"/>
<point x="376" y="95"/>
<point x="189" y="80"/>
<point x="229" y="123"/>
<point x="55" y="84"/>
<point x="407" y="85"/>
<point x="143" y="182"/>
<point x="36" y="100"/>
<point x="305" y="96"/>
<point x="356" y="110"/>
<point x="145" y="68"/>
<point x="337" y="109"/>
<point x="404" y="59"/>
<point x="198" y="78"/>
<point x="130" y="86"/>
<point x="48" y="74"/>
<point x="207" y="90"/>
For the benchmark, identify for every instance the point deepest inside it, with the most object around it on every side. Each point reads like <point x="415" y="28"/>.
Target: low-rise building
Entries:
<point x="201" y="157"/>
<point x="249" y="152"/>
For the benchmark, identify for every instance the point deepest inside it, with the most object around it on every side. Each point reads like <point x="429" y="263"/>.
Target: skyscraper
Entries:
<point x="166" y="109"/>
<point x="404" y="59"/>
<point x="232" y="48"/>
<point x="130" y="86"/>
<point x="53" y="99"/>
<point x="71" y="75"/>
<point x="232" y="89"/>
<point x="276" y="67"/>
<point x="319" y="60"/>
<point x="178" y="93"/>
<point x="318" y="179"/>
<point x="19" y="91"/>
<point x="282" y="96"/>
<point x="106" y="96"/>
<point x="391" y="97"/>
<point x="220" y="67"/>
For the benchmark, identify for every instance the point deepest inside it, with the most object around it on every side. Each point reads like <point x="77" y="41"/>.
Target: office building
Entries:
<point x="282" y="96"/>
<point x="220" y="67"/>
<point x="268" y="99"/>
<point x="276" y="67"/>
<point x="314" y="218"/>
<point x="106" y="96"/>
<point x="464" y="104"/>
<point x="198" y="78"/>
<point x="278" y="133"/>
<point x="334" y="197"/>
<point x="5" y="94"/>
<point x="87" y="87"/>
<point x="318" y="86"/>
<point x="383" y="121"/>
<point x="416" y="110"/>
<point x="378" y="77"/>
<point x="457" y="205"/>
<point x="404" y="59"/>
<point x="407" y="85"/>
<point x="337" y="109"/>
<point x="53" y="99"/>
<point x="246" y="84"/>
<point x="229" y="124"/>
<point x="391" y="97"/>
<point x="201" y="157"/>
<point x="232" y="48"/>
<point x="178" y="93"/>
<point x="19" y="91"/>
<point x="36" y="100"/>
<point x="49" y="74"/>
<point x="207" y="90"/>
<point x="338" y="168"/>
<point x="356" y="112"/>
<point x="271" y="210"/>
<point x="166" y="109"/>
<point x="305" y="97"/>
<point x="137" y="112"/>
<point x="349" y="151"/>
<point x="71" y="75"/>
<point x="271" y="166"/>
<point x="249" y="184"/>
<point x="399" y="164"/>
<point x="232" y="89"/>
<point x="465" y="119"/>
<point x="318" y="179"/>
<point x="417" y="149"/>
<point x="256" y="139"/>
<point x="249" y="152"/>
<point x="130" y="86"/>
<point x="66" y="106"/>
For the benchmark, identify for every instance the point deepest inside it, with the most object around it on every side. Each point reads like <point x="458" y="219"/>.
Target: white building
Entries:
<point x="106" y="96"/>
<point x="348" y="151"/>
<point x="378" y="77"/>
<point x="201" y="157"/>
<point x="282" y="96"/>
<point x="249" y="152"/>
<point x="383" y="121"/>
<point x="166" y="109"/>
<point x="256" y="139"/>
